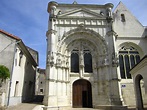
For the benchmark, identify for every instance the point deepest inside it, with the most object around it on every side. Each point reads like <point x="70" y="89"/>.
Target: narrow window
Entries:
<point x="88" y="62"/>
<point x="74" y="62"/>
<point x="122" y="70"/>
<point x="123" y="18"/>
<point x="127" y="64"/>
<point x="137" y="58"/>
<point x="41" y="90"/>
<point x="132" y="61"/>
<point x="20" y="58"/>
<point x="16" y="89"/>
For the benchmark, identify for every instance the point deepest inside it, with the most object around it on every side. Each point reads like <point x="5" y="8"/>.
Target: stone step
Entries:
<point x="100" y="108"/>
<point x="68" y="108"/>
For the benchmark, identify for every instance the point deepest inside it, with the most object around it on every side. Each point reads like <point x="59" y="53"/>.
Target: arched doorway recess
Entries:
<point x="139" y="99"/>
<point x="82" y="94"/>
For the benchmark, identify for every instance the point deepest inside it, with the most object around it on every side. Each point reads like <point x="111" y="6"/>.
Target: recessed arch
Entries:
<point x="87" y="55"/>
<point x="139" y="100"/>
<point x="129" y="56"/>
<point x="82" y="94"/>
<point x="84" y="34"/>
<point x="131" y="44"/>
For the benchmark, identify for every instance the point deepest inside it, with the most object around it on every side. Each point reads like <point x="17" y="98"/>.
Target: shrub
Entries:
<point x="4" y="73"/>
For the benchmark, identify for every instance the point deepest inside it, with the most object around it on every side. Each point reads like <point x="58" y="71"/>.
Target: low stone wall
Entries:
<point x="2" y="98"/>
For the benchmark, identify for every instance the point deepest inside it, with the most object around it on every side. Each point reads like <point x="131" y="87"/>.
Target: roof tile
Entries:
<point x="10" y="35"/>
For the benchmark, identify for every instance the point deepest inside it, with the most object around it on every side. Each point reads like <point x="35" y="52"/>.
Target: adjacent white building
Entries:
<point x="90" y="51"/>
<point x="40" y="81"/>
<point x="140" y="82"/>
<point x="22" y="65"/>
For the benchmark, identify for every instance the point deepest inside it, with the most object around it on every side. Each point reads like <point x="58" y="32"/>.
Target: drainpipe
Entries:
<point x="11" y="74"/>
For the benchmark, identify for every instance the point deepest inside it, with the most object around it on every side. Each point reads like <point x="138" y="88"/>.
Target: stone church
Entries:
<point x="90" y="51"/>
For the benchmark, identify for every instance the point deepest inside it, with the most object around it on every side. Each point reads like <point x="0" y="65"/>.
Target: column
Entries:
<point x="50" y="98"/>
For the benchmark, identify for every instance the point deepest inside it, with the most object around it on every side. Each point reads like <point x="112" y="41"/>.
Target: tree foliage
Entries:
<point x="4" y="72"/>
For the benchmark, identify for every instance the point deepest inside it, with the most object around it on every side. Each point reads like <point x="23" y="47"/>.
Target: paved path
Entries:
<point x="32" y="106"/>
<point x="22" y="106"/>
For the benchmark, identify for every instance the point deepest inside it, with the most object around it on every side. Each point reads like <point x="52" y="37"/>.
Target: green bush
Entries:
<point x="4" y="73"/>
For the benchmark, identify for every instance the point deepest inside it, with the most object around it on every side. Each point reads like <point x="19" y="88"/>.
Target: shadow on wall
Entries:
<point x="28" y="91"/>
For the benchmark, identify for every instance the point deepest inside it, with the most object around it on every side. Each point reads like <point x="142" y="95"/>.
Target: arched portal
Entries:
<point x="82" y="94"/>
<point x="139" y="101"/>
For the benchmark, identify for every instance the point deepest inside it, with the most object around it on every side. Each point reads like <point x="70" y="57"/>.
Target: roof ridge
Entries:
<point x="10" y="35"/>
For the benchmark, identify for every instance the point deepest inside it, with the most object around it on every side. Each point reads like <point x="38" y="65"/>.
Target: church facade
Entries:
<point x="90" y="50"/>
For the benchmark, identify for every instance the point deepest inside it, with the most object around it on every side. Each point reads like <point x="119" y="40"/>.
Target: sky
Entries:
<point x="28" y="19"/>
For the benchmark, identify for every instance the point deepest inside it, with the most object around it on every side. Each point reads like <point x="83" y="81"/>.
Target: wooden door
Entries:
<point x="82" y="95"/>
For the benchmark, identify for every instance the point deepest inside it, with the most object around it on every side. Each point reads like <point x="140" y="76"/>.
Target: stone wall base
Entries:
<point x="101" y="107"/>
<point x="111" y="107"/>
<point x="50" y="108"/>
<point x="57" y="108"/>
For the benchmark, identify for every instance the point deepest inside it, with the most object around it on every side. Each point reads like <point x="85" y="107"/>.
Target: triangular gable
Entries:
<point x="122" y="8"/>
<point x="81" y="13"/>
<point x="125" y="23"/>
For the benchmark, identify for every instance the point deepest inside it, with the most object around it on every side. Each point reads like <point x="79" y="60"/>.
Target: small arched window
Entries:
<point x="74" y="62"/>
<point x="128" y="58"/>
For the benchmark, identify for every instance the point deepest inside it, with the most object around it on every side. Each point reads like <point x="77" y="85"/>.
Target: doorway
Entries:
<point x="82" y="94"/>
<point x="139" y="100"/>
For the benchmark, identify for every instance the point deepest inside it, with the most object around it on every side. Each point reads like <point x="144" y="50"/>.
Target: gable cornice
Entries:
<point x="80" y="10"/>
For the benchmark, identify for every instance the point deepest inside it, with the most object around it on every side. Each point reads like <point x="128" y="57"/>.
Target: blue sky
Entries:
<point x="28" y="19"/>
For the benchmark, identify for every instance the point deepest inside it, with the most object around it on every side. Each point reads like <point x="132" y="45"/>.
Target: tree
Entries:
<point x="4" y="73"/>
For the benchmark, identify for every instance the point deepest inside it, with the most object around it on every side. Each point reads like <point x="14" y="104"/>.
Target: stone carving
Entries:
<point x="81" y="58"/>
<point x="81" y="62"/>
<point x="115" y="61"/>
<point x="106" y="61"/>
<point x="50" y="59"/>
<point x="62" y="60"/>
<point x="58" y="61"/>
<point x="67" y="62"/>
<point x="52" y="9"/>
<point x="109" y="12"/>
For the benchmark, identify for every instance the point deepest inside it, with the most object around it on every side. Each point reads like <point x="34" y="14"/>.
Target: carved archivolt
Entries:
<point x="83" y="39"/>
<point x="89" y="38"/>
